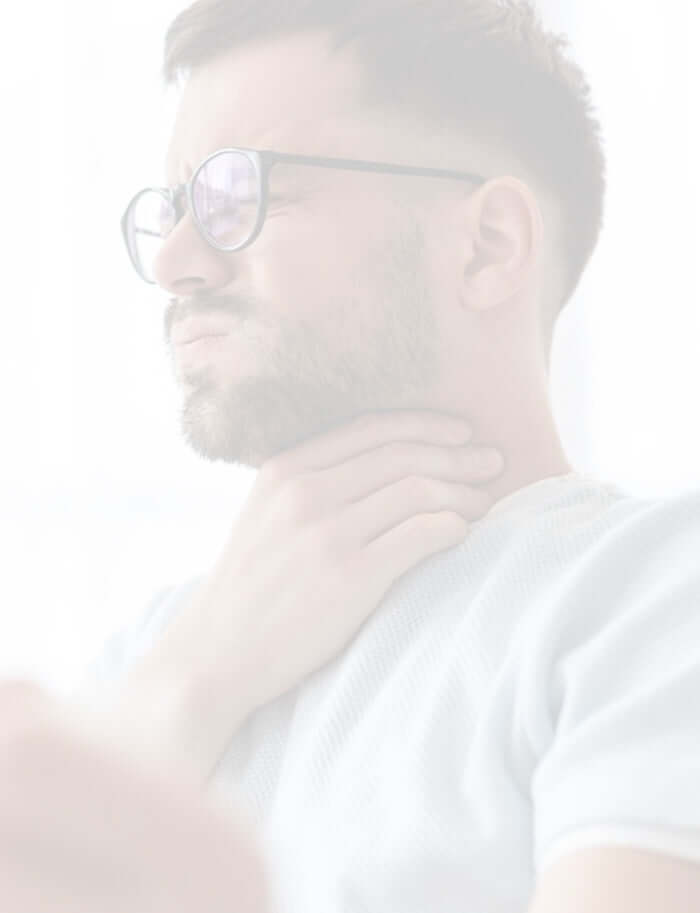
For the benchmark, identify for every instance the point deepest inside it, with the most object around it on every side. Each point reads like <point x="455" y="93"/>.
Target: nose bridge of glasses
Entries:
<point x="178" y="199"/>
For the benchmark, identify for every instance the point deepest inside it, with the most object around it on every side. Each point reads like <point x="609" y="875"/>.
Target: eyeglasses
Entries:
<point x="227" y="196"/>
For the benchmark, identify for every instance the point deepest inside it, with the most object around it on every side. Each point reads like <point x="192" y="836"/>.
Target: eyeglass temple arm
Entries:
<point x="270" y="157"/>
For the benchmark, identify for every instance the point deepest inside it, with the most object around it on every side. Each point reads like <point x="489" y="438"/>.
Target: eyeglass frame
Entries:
<point x="263" y="161"/>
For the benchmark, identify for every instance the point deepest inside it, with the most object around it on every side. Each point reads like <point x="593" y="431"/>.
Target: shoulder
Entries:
<point x="613" y="686"/>
<point x="632" y="562"/>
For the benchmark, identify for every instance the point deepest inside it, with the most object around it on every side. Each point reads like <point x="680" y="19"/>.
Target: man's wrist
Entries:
<point x="164" y="719"/>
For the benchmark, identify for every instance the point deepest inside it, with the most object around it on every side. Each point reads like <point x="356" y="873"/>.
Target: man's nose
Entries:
<point x="186" y="263"/>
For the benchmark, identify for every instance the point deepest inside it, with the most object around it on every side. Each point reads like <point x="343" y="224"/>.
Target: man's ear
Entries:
<point x="505" y="241"/>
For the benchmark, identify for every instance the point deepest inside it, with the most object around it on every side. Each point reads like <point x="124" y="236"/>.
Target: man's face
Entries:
<point x="332" y="307"/>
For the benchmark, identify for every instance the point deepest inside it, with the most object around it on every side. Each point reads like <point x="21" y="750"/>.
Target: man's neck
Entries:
<point x="514" y="415"/>
<point x="528" y="461"/>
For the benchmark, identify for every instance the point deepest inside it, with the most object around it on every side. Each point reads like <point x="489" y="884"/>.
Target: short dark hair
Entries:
<point x="489" y="66"/>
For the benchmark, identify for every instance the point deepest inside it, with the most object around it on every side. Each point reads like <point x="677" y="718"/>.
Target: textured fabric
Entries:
<point x="529" y="692"/>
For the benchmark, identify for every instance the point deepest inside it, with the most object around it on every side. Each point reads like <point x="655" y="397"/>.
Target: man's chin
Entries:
<point x="217" y="438"/>
<point x="248" y="429"/>
<point x="257" y="420"/>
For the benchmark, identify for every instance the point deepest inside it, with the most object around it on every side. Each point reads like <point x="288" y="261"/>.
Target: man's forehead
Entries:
<point x="291" y="93"/>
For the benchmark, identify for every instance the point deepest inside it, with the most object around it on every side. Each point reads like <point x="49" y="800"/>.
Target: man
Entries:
<point x="433" y="684"/>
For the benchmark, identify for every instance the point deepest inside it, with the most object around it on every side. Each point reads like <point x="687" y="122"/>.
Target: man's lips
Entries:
<point x="194" y="328"/>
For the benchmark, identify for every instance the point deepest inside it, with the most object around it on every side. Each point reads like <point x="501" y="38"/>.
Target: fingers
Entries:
<point x="397" y="551"/>
<point x="417" y="468"/>
<point x="359" y="477"/>
<point x="369" y="519"/>
<point x="367" y="432"/>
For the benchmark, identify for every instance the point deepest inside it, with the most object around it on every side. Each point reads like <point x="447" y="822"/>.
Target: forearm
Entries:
<point x="163" y="719"/>
<point x="169" y="710"/>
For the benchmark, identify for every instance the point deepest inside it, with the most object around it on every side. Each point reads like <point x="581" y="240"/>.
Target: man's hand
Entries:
<point x="328" y="528"/>
<point x="83" y="830"/>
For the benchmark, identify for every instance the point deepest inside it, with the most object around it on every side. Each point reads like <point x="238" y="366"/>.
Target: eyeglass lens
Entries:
<point x="225" y="197"/>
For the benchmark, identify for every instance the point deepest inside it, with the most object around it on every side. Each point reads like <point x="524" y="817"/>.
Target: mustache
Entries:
<point x="202" y="306"/>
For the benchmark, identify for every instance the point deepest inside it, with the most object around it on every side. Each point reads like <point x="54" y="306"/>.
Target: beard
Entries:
<point x="372" y="349"/>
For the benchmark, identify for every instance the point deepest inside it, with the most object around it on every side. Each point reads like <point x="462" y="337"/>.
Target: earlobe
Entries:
<point x="486" y="289"/>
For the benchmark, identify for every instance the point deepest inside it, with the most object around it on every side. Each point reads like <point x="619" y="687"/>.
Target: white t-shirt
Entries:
<point x="533" y="690"/>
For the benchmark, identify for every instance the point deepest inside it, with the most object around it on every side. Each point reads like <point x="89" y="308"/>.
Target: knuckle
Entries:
<point x="298" y="499"/>
<point x="327" y="547"/>
<point x="428" y="491"/>
<point x="273" y="472"/>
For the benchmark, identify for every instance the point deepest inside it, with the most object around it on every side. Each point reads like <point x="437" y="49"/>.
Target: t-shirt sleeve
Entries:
<point x="623" y="766"/>
<point x="105" y="672"/>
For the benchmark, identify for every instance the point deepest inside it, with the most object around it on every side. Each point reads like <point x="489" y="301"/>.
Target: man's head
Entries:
<point x="371" y="291"/>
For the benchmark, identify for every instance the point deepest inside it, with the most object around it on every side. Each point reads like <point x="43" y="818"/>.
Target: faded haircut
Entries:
<point x="486" y="67"/>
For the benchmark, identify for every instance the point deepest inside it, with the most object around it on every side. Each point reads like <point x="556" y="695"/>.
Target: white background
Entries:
<point x="102" y="503"/>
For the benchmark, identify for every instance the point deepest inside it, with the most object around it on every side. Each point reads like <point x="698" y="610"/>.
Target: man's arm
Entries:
<point x="328" y="527"/>
<point x="161" y="711"/>
<point x="618" y="880"/>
